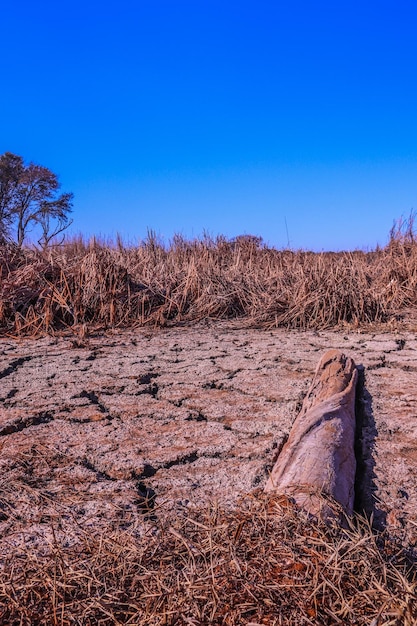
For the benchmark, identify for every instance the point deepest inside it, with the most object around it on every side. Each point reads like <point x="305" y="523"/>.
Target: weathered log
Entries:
<point x="317" y="465"/>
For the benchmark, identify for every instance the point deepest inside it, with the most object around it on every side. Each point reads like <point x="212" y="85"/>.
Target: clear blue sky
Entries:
<point x="229" y="117"/>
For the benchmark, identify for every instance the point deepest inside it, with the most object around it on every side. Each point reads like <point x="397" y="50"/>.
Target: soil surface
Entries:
<point x="117" y="429"/>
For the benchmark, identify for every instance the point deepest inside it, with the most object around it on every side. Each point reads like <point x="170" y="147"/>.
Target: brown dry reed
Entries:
<point x="84" y="285"/>
<point x="263" y="564"/>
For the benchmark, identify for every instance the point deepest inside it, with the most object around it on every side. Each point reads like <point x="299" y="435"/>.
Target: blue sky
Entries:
<point x="224" y="117"/>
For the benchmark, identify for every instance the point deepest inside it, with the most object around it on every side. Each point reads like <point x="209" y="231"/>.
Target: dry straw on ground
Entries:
<point x="264" y="564"/>
<point x="98" y="284"/>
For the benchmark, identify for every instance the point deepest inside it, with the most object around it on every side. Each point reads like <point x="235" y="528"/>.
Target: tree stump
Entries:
<point x="317" y="465"/>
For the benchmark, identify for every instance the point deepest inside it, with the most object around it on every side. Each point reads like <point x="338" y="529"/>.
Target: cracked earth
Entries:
<point x="117" y="430"/>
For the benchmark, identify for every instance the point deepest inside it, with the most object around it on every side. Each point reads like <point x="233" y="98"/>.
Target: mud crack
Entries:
<point x="100" y="475"/>
<point x="14" y="365"/>
<point x="33" y="420"/>
<point x="92" y="396"/>
<point x="366" y="434"/>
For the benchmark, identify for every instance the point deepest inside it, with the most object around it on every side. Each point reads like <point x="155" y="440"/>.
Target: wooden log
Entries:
<point x="317" y="465"/>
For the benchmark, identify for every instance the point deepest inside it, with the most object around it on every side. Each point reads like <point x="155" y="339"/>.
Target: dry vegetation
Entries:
<point x="265" y="564"/>
<point x="106" y="285"/>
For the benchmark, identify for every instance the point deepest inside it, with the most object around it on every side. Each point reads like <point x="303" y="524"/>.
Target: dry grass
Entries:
<point x="103" y="285"/>
<point x="264" y="564"/>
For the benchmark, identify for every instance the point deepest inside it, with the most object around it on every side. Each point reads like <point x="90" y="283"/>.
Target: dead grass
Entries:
<point x="263" y="564"/>
<point x="101" y="285"/>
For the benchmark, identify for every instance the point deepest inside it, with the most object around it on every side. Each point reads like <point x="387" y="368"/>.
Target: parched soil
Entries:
<point x="116" y="429"/>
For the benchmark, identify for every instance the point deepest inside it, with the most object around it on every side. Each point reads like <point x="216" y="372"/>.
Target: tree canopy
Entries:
<point x="28" y="197"/>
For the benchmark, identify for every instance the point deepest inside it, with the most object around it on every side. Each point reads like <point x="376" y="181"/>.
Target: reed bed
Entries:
<point x="96" y="284"/>
<point x="264" y="564"/>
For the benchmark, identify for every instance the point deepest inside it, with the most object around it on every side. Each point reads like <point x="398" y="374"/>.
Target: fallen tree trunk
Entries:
<point x="317" y="465"/>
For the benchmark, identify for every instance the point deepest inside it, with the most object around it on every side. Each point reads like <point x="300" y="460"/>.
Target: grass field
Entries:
<point x="113" y="285"/>
<point x="265" y="564"/>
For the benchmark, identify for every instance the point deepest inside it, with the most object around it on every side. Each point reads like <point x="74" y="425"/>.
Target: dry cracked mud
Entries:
<point x="136" y="424"/>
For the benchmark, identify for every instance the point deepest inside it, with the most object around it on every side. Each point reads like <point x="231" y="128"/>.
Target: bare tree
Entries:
<point x="53" y="220"/>
<point x="29" y="196"/>
<point x="11" y="170"/>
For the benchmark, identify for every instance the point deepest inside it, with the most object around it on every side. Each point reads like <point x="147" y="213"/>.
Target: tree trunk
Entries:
<point x="317" y="465"/>
<point x="20" y="233"/>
